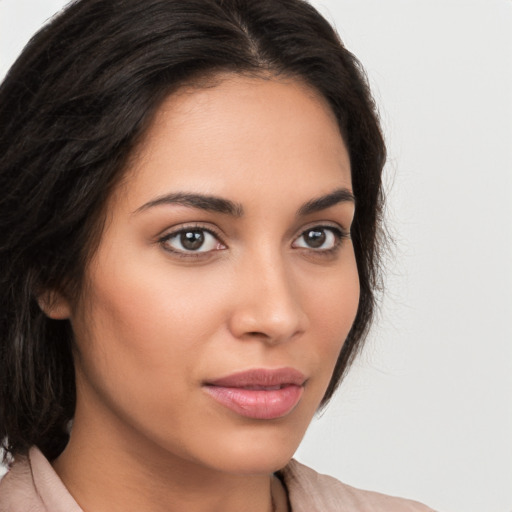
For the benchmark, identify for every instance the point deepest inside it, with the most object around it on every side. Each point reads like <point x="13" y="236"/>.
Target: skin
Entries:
<point x="155" y="322"/>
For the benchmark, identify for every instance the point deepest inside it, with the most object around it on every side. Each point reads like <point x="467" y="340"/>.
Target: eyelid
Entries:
<point x="337" y="229"/>
<point x="193" y="226"/>
<point x="335" y="226"/>
<point x="339" y="232"/>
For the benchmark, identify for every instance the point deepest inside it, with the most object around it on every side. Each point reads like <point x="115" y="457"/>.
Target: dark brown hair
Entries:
<point x="73" y="107"/>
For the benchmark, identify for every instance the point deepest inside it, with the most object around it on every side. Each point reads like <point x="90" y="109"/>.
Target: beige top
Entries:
<point x="33" y="486"/>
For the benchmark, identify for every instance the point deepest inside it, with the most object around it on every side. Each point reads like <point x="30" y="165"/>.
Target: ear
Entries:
<point x="54" y="305"/>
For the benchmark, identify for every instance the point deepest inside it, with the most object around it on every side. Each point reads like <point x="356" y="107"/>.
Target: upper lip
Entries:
<point x="260" y="377"/>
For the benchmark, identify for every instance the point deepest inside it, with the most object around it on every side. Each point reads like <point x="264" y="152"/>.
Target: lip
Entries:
<point x="259" y="393"/>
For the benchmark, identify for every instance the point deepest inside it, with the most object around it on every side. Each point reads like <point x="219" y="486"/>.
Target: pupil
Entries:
<point x="315" y="238"/>
<point x="192" y="240"/>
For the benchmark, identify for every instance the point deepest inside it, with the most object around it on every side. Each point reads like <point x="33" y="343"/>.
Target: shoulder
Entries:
<point x="17" y="490"/>
<point x="31" y="485"/>
<point x="310" y="491"/>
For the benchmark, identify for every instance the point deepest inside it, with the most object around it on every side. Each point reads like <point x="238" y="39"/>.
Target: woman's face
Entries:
<point x="225" y="282"/>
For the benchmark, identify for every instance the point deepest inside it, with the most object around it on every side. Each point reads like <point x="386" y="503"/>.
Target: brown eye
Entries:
<point x="315" y="238"/>
<point x="191" y="240"/>
<point x="319" y="238"/>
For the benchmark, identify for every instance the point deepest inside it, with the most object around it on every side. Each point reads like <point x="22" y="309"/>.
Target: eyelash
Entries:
<point x="187" y="229"/>
<point x="339" y="234"/>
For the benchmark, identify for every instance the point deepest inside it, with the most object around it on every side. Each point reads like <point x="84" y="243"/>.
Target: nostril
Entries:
<point x="269" y="311"/>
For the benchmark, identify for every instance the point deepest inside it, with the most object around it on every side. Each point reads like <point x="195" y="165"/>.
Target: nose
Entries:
<point x="267" y="303"/>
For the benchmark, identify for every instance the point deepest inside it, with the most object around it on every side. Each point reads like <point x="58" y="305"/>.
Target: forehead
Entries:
<point x="272" y="133"/>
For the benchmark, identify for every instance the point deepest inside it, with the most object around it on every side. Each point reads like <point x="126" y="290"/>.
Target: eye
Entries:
<point x="191" y="240"/>
<point x="320" y="238"/>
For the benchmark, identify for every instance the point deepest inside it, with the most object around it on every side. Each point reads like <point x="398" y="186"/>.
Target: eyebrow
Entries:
<point x="200" y="201"/>
<point x="234" y="209"/>
<point x="340" y="195"/>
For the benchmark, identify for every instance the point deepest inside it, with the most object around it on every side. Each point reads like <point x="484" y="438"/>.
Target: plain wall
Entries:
<point x="427" y="410"/>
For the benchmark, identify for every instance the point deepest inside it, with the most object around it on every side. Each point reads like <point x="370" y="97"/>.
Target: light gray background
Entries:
<point x="427" y="409"/>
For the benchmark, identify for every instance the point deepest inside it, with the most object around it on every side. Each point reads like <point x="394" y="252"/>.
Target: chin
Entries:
<point x="257" y="449"/>
<point x="254" y="462"/>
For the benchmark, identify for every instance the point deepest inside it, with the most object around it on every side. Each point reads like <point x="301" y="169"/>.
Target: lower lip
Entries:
<point x="258" y="404"/>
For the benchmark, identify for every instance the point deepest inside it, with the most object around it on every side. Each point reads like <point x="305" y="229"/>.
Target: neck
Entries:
<point x="105" y="471"/>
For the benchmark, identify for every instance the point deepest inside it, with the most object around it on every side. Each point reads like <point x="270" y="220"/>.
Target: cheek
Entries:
<point x="148" y="329"/>
<point x="147" y="323"/>
<point x="139" y="340"/>
<point x="137" y="322"/>
<point x="334" y="307"/>
<point x="333" y="301"/>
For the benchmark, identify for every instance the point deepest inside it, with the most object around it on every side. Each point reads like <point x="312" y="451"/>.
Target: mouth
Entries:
<point x="259" y="393"/>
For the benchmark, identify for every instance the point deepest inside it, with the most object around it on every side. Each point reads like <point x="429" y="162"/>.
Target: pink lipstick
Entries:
<point x="259" y="393"/>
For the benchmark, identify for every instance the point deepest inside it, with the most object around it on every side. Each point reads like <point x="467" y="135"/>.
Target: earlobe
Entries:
<point x="54" y="305"/>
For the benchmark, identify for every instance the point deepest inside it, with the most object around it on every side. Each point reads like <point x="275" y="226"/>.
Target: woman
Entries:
<point x="189" y="251"/>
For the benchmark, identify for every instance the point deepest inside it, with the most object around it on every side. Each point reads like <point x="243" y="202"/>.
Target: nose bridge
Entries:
<point x="267" y="302"/>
